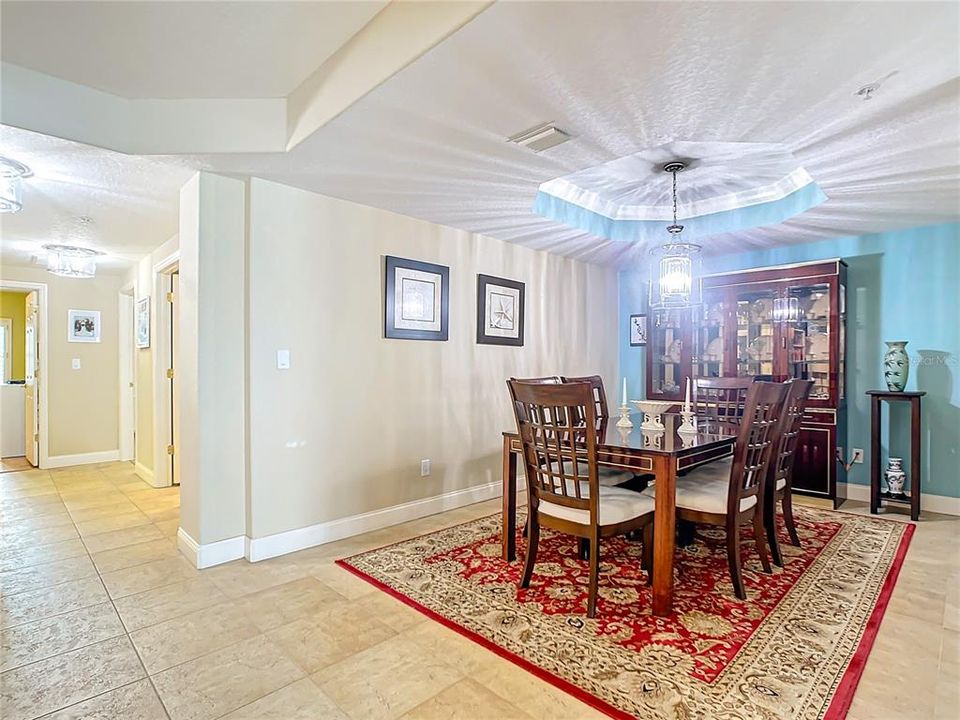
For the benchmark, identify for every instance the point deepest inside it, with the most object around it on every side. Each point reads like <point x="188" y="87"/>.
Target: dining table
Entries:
<point x="665" y="454"/>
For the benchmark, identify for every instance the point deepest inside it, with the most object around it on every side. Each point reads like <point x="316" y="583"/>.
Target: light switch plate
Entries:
<point x="424" y="468"/>
<point x="75" y="363"/>
<point x="283" y="359"/>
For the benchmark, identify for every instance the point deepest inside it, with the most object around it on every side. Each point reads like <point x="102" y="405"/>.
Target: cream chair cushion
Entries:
<point x="705" y="489"/>
<point x="616" y="505"/>
<point x="606" y="475"/>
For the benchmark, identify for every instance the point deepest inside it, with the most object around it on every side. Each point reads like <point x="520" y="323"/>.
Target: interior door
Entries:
<point x="32" y="381"/>
<point x="174" y="336"/>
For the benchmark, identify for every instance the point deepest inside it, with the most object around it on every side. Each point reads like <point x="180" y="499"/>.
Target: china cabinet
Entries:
<point x="772" y="323"/>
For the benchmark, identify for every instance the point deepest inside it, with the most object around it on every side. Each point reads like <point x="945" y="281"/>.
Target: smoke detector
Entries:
<point x="540" y="137"/>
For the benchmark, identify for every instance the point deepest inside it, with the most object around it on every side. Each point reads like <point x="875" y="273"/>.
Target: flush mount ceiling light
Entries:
<point x="674" y="274"/>
<point x="71" y="261"/>
<point x="540" y="138"/>
<point x="11" y="173"/>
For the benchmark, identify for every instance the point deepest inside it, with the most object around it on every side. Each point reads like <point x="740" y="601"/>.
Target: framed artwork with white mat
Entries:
<point x="500" y="311"/>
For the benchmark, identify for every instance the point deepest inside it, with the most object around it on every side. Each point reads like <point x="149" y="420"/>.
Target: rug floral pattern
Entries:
<point x="779" y="655"/>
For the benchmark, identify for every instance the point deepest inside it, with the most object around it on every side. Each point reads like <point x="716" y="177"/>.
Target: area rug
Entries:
<point x="794" y="649"/>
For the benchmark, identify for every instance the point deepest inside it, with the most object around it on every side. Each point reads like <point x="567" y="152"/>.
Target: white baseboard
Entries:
<point x="933" y="503"/>
<point x="293" y="540"/>
<point x="59" y="461"/>
<point x="216" y="553"/>
<point x="145" y="473"/>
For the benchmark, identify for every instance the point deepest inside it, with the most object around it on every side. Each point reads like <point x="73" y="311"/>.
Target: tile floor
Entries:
<point x="101" y="618"/>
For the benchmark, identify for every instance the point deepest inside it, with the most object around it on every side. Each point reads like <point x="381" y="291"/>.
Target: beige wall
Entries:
<point x="360" y="411"/>
<point x="83" y="404"/>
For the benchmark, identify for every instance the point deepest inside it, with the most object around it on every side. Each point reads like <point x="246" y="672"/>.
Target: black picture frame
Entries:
<point x="483" y="338"/>
<point x="391" y="267"/>
<point x="637" y="323"/>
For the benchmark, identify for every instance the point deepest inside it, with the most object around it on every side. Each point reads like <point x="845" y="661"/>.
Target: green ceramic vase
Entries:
<point x="896" y="365"/>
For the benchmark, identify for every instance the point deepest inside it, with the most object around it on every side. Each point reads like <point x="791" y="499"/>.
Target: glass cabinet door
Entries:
<point x="666" y="356"/>
<point x="756" y="333"/>
<point x="806" y="315"/>
<point x="710" y="338"/>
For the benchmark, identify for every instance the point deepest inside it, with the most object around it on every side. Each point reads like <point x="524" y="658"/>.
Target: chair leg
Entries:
<point x="594" y="577"/>
<point x="533" y="540"/>
<point x="733" y="557"/>
<point x="526" y="526"/>
<point x="648" y="551"/>
<point x="759" y="539"/>
<point x="787" y="504"/>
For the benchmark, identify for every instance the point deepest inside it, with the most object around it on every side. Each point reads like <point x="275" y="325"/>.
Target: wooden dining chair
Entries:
<point x="721" y="399"/>
<point x="563" y="488"/>
<point x="780" y="471"/>
<point x="730" y="495"/>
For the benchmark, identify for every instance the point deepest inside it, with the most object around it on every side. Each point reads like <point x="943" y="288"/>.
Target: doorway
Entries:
<point x="127" y="442"/>
<point x="172" y="324"/>
<point x="166" y="391"/>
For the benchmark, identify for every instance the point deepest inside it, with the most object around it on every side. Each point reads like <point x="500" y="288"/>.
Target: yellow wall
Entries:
<point x="13" y="306"/>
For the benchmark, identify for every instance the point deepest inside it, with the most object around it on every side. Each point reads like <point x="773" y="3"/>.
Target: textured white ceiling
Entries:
<point x="180" y="49"/>
<point x="132" y="200"/>
<point x="621" y="77"/>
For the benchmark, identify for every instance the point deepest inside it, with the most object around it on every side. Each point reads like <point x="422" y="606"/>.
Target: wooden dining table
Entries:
<point x="664" y="454"/>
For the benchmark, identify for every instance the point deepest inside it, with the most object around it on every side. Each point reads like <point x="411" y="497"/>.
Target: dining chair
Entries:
<point x="780" y="471"/>
<point x="720" y="399"/>
<point x="730" y="495"/>
<point x="563" y="489"/>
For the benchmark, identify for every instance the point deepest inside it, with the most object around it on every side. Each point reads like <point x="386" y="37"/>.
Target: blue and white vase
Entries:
<point x="896" y="365"/>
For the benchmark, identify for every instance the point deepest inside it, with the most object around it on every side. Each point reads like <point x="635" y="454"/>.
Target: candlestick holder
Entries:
<point x="689" y="424"/>
<point x="624" y="421"/>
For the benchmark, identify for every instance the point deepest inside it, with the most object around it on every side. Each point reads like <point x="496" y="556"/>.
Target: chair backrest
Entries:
<point x="781" y="463"/>
<point x="755" y="443"/>
<point x="599" y="402"/>
<point x="721" y="399"/>
<point x="559" y="457"/>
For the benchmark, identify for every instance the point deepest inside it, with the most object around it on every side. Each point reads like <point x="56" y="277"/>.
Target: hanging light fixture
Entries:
<point x="674" y="270"/>
<point x="11" y="173"/>
<point x="71" y="261"/>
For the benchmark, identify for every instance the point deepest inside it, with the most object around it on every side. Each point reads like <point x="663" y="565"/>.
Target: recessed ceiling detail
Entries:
<point x="726" y="187"/>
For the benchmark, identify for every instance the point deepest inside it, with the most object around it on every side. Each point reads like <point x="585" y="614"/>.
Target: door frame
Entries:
<point x="127" y="415"/>
<point x="43" y="455"/>
<point x="161" y="395"/>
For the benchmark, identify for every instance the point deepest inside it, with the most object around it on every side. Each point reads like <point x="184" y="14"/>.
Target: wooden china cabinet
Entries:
<point x="772" y="323"/>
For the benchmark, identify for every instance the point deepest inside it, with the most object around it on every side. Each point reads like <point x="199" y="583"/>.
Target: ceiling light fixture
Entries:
<point x="11" y="173"/>
<point x="540" y="137"/>
<point x="71" y="261"/>
<point x="675" y="276"/>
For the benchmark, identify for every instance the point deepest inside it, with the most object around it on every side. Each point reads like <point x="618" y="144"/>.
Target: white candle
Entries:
<point x="624" y="403"/>
<point x="686" y="402"/>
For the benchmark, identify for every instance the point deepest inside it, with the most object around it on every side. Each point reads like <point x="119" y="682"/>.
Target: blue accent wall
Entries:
<point x="902" y="285"/>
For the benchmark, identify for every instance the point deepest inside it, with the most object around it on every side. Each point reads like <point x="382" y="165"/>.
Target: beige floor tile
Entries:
<point x="136" y="701"/>
<point x="161" y="515"/>
<point x="390" y="611"/>
<point x="38" y="604"/>
<point x="223" y="681"/>
<point x="12" y="504"/>
<point x="302" y="700"/>
<point x="466" y="700"/>
<point x="36" y="577"/>
<point x="386" y="680"/>
<point x="330" y="635"/>
<point x="240" y="577"/>
<point x="10" y="528"/>
<point x="23" y="557"/>
<point x="111" y="523"/>
<point x="282" y="604"/>
<point x="102" y="511"/>
<point x="58" y="634"/>
<point x="63" y="680"/>
<point x="344" y="582"/>
<point x="140" y="578"/>
<point x="131" y="555"/>
<point x="169" y="601"/>
<point x="120" y="538"/>
<point x="36" y="490"/>
<point x="83" y="500"/>
<point x="41" y="536"/>
<point x="188" y="637"/>
<point x="168" y="528"/>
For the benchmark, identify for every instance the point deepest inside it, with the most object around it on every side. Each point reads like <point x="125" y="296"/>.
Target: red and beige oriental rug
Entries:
<point x="794" y="649"/>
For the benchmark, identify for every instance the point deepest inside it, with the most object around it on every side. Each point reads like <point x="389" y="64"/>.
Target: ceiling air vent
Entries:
<point x="540" y="138"/>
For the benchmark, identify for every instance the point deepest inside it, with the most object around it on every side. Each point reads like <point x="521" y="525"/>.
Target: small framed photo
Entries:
<point x="83" y="326"/>
<point x="499" y="311"/>
<point x="143" y="322"/>
<point x="638" y="330"/>
<point x="416" y="300"/>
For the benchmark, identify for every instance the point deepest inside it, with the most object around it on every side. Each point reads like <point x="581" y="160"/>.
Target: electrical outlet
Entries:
<point x="858" y="455"/>
<point x="75" y="363"/>
<point x="424" y="468"/>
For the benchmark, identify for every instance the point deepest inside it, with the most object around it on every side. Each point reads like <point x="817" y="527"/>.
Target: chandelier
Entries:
<point x="11" y="173"/>
<point x="71" y="261"/>
<point x="674" y="272"/>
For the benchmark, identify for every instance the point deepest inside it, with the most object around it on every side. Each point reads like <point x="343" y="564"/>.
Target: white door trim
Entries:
<point x="161" y="395"/>
<point x="41" y="288"/>
<point x="127" y="410"/>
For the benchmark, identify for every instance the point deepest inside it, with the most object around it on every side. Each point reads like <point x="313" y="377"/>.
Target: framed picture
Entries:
<point x="83" y="326"/>
<point x="499" y="311"/>
<point x="638" y="330"/>
<point x="416" y="300"/>
<point x="143" y="322"/>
